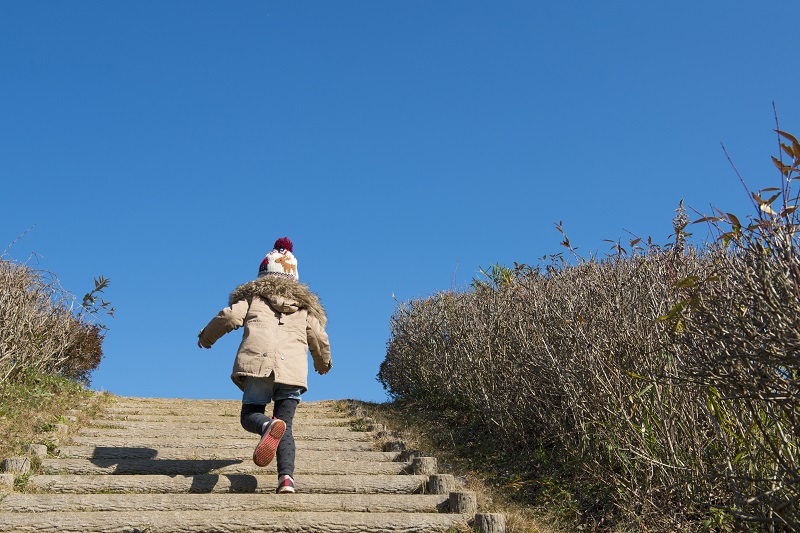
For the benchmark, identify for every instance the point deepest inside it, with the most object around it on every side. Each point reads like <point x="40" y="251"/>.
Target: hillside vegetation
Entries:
<point x="654" y="389"/>
<point x="45" y="329"/>
<point x="49" y="345"/>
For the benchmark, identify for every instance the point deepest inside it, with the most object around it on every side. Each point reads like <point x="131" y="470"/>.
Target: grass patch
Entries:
<point x="30" y="407"/>
<point x="21" y="482"/>
<point x="532" y="497"/>
<point x="359" y="425"/>
<point x="340" y="406"/>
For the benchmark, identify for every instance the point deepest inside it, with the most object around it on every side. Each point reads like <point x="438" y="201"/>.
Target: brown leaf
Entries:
<point x="787" y="136"/>
<point x="783" y="168"/>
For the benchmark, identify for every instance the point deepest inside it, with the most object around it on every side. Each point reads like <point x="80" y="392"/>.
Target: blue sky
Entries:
<point x="400" y="145"/>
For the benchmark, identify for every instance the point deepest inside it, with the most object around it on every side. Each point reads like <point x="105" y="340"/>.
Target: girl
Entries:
<point x="282" y="319"/>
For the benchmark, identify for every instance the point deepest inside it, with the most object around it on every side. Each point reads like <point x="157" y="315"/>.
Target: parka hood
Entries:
<point x="284" y="295"/>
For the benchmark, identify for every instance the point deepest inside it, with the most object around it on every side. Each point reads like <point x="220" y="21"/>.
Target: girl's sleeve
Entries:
<point x="226" y="321"/>
<point x="318" y="344"/>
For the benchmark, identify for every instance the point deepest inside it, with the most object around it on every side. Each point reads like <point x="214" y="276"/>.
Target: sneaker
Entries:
<point x="265" y="450"/>
<point x="285" y="485"/>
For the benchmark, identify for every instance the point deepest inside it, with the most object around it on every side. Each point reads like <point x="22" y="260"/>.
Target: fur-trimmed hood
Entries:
<point x="283" y="294"/>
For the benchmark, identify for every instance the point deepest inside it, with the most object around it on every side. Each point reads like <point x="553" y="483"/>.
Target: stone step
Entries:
<point x="365" y="503"/>
<point x="191" y="467"/>
<point x="201" y="414"/>
<point x="299" y="432"/>
<point x="231" y="409"/>
<point x="138" y="400"/>
<point x="205" y="425"/>
<point x="167" y="465"/>
<point x="242" y="454"/>
<point x="245" y="440"/>
<point x="181" y="420"/>
<point x="228" y="521"/>
<point x="215" y="414"/>
<point x="160" y="399"/>
<point x="211" y="483"/>
<point x="233" y="406"/>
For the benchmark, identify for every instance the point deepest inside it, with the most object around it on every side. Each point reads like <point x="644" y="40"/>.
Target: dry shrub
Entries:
<point x="570" y="360"/>
<point x="43" y="329"/>
<point x="84" y="352"/>
<point x="739" y="331"/>
<point x="668" y="377"/>
<point x="740" y="336"/>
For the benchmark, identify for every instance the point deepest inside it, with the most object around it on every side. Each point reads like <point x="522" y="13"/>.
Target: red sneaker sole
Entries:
<point x="265" y="451"/>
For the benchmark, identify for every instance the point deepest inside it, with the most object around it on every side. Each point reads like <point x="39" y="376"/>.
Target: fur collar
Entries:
<point x="267" y="286"/>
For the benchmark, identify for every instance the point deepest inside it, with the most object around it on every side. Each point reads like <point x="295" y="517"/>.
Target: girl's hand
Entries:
<point x="322" y="370"/>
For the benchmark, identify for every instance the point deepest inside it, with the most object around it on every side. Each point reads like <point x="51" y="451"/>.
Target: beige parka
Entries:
<point x="282" y="319"/>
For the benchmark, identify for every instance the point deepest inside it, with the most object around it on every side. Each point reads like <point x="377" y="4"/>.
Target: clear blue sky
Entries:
<point x="166" y="145"/>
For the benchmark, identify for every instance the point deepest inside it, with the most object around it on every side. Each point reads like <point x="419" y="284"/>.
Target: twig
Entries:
<point x="741" y="179"/>
<point x="15" y="240"/>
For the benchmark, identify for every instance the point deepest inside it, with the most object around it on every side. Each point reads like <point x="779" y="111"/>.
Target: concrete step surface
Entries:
<point x="243" y="453"/>
<point x="173" y="465"/>
<point x="232" y="407"/>
<point x="228" y="522"/>
<point x="214" y="432"/>
<point x="229" y="411"/>
<point x="139" y="401"/>
<point x="223" y="483"/>
<point x="228" y="424"/>
<point x="189" y="420"/>
<point x="190" y="467"/>
<point x="244" y="440"/>
<point x="367" y="503"/>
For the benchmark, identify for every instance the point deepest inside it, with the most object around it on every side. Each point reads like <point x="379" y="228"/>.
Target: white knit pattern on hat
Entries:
<point x="279" y="263"/>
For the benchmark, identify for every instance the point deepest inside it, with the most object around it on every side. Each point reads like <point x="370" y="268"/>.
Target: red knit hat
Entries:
<point x="280" y="261"/>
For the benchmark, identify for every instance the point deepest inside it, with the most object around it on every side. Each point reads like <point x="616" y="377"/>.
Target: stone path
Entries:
<point x="158" y="465"/>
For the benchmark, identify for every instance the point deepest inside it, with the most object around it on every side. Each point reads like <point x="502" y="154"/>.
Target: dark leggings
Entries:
<point x="253" y="419"/>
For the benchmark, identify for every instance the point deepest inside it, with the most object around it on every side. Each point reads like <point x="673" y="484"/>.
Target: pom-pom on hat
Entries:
<point x="280" y="261"/>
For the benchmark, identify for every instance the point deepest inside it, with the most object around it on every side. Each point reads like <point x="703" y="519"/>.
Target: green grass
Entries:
<point x="359" y="425"/>
<point x="20" y="482"/>
<point x="32" y="405"/>
<point x="531" y="492"/>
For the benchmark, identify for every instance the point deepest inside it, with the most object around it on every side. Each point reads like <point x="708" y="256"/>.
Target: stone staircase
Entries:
<point x="153" y="465"/>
